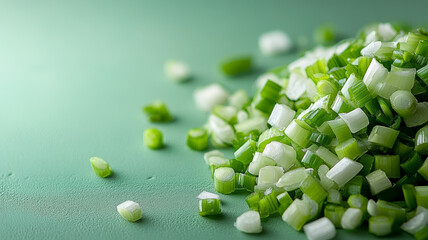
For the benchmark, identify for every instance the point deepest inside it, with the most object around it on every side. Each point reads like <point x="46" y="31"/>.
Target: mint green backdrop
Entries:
<point x="73" y="77"/>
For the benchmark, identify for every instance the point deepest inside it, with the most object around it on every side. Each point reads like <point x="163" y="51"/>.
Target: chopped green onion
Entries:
<point x="311" y="187"/>
<point x="409" y="192"/>
<point x="403" y="102"/>
<point x="100" y="167"/>
<point x="281" y="116"/>
<point x="197" y="139"/>
<point x="130" y="210"/>
<point x="380" y="226"/>
<point x="269" y="174"/>
<point x="423" y="170"/>
<point x="274" y="42"/>
<point x="236" y="65"/>
<point x="249" y="222"/>
<point x="328" y="157"/>
<point x="213" y="153"/>
<point x="423" y="74"/>
<point x="325" y="34"/>
<point x="390" y="164"/>
<point x="245" y="181"/>
<point x="422" y="234"/>
<point x="284" y="155"/>
<point x="378" y="181"/>
<point x="357" y="185"/>
<point x="153" y="138"/>
<point x="285" y="201"/>
<point x="344" y="171"/>
<point x="297" y="214"/>
<point x="421" y="140"/>
<point x="334" y="196"/>
<point x="209" y="204"/>
<point x="358" y="201"/>
<point x="208" y="97"/>
<point x="227" y="113"/>
<point x="245" y="153"/>
<point x="419" y="117"/>
<point x="356" y="120"/>
<point x="321" y="229"/>
<point x="292" y="180"/>
<point x="298" y="134"/>
<point x="367" y="161"/>
<point x="239" y="99"/>
<point x="177" y="71"/>
<point x="422" y="196"/>
<point x="412" y="165"/>
<point x="341" y="104"/>
<point x="253" y="200"/>
<point x="340" y="129"/>
<point x="256" y="123"/>
<point x="416" y="223"/>
<point x="383" y="136"/>
<point x="334" y="213"/>
<point x="221" y="129"/>
<point x="224" y="180"/>
<point x="157" y="112"/>
<point x="326" y="182"/>
<point x="359" y="94"/>
<point x="349" y="149"/>
<point x="397" y="213"/>
<point x="376" y="73"/>
<point x="352" y="218"/>
<point x="268" y="136"/>
<point x="258" y="162"/>
<point x="237" y="166"/>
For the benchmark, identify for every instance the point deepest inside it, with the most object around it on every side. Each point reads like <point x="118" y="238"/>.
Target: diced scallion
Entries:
<point x="100" y="167"/>
<point x="130" y="210"/>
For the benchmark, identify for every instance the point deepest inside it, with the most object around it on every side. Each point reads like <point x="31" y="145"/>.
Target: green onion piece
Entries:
<point x="340" y="129"/>
<point x="412" y="165"/>
<point x="271" y="134"/>
<point x="313" y="189"/>
<point x="263" y="104"/>
<point x="221" y="129"/>
<point x="249" y="222"/>
<point x="320" y="138"/>
<point x="356" y="120"/>
<point x="403" y="149"/>
<point x="417" y="222"/>
<point x="334" y="213"/>
<point x="224" y="180"/>
<point x="245" y="153"/>
<point x="281" y="116"/>
<point x="197" y="139"/>
<point x="419" y="117"/>
<point x="316" y="117"/>
<point x="383" y="136"/>
<point x="245" y="181"/>
<point x="237" y="166"/>
<point x="157" y="112"/>
<point x="359" y="94"/>
<point x="259" y="161"/>
<point x="130" y="211"/>
<point x="315" y="70"/>
<point x="208" y="97"/>
<point x="285" y="201"/>
<point x="422" y="48"/>
<point x="256" y="123"/>
<point x="352" y="218"/>
<point x="298" y="134"/>
<point x="341" y="104"/>
<point x="236" y="65"/>
<point x="326" y="182"/>
<point x="423" y="170"/>
<point x="100" y="167"/>
<point x="367" y="161"/>
<point x="422" y="196"/>
<point x="421" y="140"/>
<point x="270" y="90"/>
<point x="326" y="87"/>
<point x="423" y="74"/>
<point x="209" y="204"/>
<point x="239" y="99"/>
<point x="349" y="149"/>
<point x="378" y="181"/>
<point x="334" y="196"/>
<point x="227" y="113"/>
<point x="380" y="226"/>
<point x="337" y="73"/>
<point x="357" y="185"/>
<point x="292" y="180"/>
<point x="268" y="205"/>
<point x="376" y="73"/>
<point x="177" y="71"/>
<point x="153" y="138"/>
<point x="320" y="229"/>
<point x="390" y="164"/>
<point x="421" y="234"/>
<point x="303" y="103"/>
<point x="213" y="153"/>
<point x="328" y="157"/>
<point x="397" y="213"/>
<point x="344" y="171"/>
<point x="284" y="155"/>
<point x="218" y="162"/>
<point x="297" y="214"/>
<point x="336" y="62"/>
<point x="403" y="102"/>
<point x="358" y="201"/>
<point x="253" y="200"/>
<point x="311" y="160"/>
<point x="409" y="193"/>
<point x="269" y="174"/>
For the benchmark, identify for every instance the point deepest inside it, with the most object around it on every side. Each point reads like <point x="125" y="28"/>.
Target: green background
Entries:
<point x="73" y="78"/>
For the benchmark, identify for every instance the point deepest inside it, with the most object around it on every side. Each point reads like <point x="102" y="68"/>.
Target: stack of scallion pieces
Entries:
<point x="336" y="139"/>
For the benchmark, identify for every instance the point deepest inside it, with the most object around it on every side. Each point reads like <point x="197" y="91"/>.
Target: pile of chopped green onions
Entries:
<point x="336" y="139"/>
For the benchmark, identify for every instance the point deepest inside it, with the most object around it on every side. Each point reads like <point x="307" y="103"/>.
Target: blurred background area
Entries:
<point x="75" y="74"/>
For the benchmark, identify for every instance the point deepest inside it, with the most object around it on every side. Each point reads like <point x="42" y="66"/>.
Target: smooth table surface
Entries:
<point x="73" y="78"/>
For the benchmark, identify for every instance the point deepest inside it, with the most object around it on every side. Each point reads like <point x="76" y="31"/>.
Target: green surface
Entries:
<point x="73" y="78"/>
